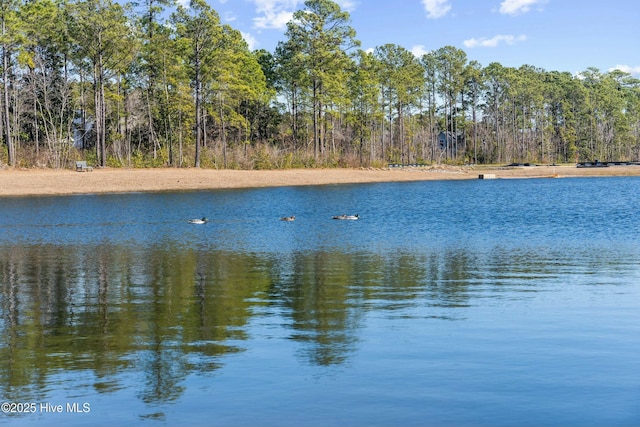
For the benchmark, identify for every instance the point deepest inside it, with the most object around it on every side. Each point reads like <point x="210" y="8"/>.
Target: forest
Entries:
<point x="156" y="84"/>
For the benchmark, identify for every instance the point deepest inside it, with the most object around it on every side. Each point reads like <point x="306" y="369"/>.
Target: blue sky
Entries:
<point x="557" y="35"/>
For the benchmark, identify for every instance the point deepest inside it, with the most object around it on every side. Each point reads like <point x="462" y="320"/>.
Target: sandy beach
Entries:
<point x="32" y="182"/>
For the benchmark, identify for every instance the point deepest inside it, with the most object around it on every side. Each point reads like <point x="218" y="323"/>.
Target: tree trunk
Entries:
<point x="223" y="133"/>
<point x="198" y="87"/>
<point x="316" y="131"/>
<point x="6" y="114"/>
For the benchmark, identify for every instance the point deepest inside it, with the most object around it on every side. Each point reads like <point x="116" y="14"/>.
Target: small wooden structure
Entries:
<point x="487" y="176"/>
<point x="81" y="166"/>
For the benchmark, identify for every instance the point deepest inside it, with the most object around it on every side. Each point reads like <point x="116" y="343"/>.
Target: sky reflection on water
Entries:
<point x="484" y="303"/>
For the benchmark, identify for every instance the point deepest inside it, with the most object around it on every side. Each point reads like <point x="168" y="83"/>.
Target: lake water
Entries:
<point x="505" y="302"/>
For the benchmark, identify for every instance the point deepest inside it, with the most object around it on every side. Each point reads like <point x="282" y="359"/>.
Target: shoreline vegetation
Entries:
<point x="41" y="182"/>
<point x="155" y="84"/>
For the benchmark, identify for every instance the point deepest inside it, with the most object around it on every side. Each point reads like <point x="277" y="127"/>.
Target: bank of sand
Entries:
<point x="17" y="182"/>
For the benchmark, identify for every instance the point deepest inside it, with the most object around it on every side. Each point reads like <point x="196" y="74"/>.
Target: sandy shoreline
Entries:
<point x="32" y="182"/>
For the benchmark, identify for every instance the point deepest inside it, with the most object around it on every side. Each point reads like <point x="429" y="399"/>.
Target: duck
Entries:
<point x="288" y="218"/>
<point x="344" y="216"/>
<point x="198" y="220"/>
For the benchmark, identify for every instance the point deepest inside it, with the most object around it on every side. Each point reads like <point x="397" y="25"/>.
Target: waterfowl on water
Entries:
<point x="198" y="220"/>
<point x="288" y="218"/>
<point x="351" y="217"/>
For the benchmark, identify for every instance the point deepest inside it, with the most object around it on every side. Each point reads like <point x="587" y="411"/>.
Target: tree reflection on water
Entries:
<point x="170" y="312"/>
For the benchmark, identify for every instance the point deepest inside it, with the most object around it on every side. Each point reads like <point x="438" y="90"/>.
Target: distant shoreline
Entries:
<point x="39" y="182"/>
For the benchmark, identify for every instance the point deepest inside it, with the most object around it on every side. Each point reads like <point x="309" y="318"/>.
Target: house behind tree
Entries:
<point x="451" y="144"/>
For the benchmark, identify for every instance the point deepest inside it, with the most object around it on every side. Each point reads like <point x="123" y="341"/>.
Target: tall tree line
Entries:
<point x="158" y="84"/>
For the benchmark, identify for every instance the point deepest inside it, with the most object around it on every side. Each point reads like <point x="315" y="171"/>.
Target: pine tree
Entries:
<point x="319" y="39"/>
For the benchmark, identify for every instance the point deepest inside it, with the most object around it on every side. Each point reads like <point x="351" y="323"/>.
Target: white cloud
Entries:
<point x="251" y="41"/>
<point x="436" y="8"/>
<point x="273" y="21"/>
<point x="419" y="50"/>
<point x="229" y="17"/>
<point x="274" y="14"/>
<point x="634" y="71"/>
<point x="494" y="41"/>
<point x="515" y="7"/>
<point x="348" y="5"/>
